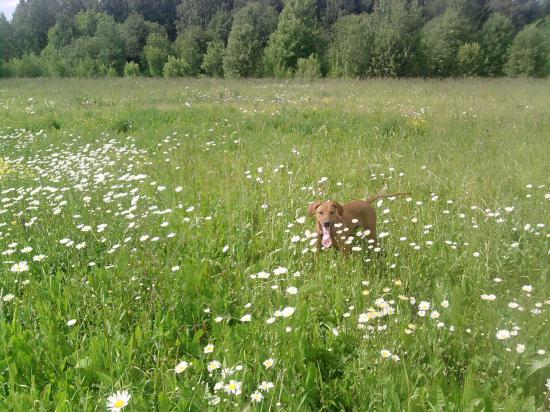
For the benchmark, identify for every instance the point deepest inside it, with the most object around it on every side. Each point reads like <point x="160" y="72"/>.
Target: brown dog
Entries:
<point x="336" y="222"/>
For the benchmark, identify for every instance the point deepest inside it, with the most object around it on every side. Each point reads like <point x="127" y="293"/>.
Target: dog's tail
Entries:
<point x="372" y="198"/>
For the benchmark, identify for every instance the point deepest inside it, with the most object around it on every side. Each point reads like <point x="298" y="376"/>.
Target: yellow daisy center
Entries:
<point x="119" y="403"/>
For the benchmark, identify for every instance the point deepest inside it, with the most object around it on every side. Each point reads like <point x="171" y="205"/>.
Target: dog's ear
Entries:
<point x="311" y="208"/>
<point x="339" y="208"/>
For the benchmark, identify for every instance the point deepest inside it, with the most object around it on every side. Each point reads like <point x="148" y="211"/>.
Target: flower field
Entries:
<point x="156" y="254"/>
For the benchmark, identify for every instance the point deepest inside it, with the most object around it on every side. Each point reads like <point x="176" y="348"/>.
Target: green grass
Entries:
<point x="77" y="153"/>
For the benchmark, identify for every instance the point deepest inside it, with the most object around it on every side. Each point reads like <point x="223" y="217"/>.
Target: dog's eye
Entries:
<point x="331" y="213"/>
<point x="320" y="213"/>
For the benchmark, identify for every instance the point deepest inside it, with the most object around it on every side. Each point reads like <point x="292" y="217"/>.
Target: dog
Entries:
<point x="337" y="222"/>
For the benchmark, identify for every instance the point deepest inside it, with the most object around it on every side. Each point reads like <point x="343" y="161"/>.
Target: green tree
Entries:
<point x="134" y="32"/>
<point x="190" y="46"/>
<point x="470" y="59"/>
<point x="31" y="21"/>
<point x="212" y="63"/>
<point x="298" y="35"/>
<point x="309" y="68"/>
<point x="220" y="26"/>
<point x="252" y="26"/>
<point x="6" y="39"/>
<point x="395" y="27"/>
<point x="496" y="36"/>
<point x="351" y="46"/>
<point x="529" y="53"/>
<point x="440" y="40"/>
<point x="175" y="67"/>
<point x="157" y="48"/>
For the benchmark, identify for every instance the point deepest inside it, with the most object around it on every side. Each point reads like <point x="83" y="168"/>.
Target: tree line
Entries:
<point x="276" y="38"/>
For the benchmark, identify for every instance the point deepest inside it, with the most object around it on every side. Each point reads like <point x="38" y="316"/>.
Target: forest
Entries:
<point x="276" y="38"/>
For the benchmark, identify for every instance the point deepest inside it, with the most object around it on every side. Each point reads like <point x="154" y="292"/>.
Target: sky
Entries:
<point x="7" y="7"/>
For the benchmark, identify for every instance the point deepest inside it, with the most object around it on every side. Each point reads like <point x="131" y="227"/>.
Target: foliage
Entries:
<point x="351" y="46"/>
<point x="28" y="65"/>
<point x="298" y="35"/>
<point x="496" y="36"/>
<point x="131" y="69"/>
<point x="469" y="59"/>
<point x="212" y="63"/>
<point x="529" y="53"/>
<point x="309" y="68"/>
<point x="157" y="48"/>
<point x="249" y="34"/>
<point x="176" y="67"/>
<point x="440" y="41"/>
<point x="190" y="47"/>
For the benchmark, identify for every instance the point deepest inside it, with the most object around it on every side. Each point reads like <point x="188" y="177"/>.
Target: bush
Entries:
<point x="351" y="46"/>
<point x="298" y="35"/>
<point x="191" y="47"/>
<point x="528" y="55"/>
<point x="440" y="40"/>
<point x="156" y="52"/>
<point x="249" y="34"/>
<point x="131" y="69"/>
<point x="212" y="63"/>
<point x="28" y="65"/>
<point x="175" y="67"/>
<point x="309" y="68"/>
<point x="469" y="59"/>
<point x="496" y="35"/>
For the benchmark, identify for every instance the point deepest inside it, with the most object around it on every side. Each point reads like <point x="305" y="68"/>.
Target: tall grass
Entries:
<point x="161" y="213"/>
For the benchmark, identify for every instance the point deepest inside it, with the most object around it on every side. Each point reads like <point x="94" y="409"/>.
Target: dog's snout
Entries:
<point x="326" y="224"/>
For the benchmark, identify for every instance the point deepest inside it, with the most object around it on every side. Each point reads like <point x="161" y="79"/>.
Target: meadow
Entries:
<point x="154" y="241"/>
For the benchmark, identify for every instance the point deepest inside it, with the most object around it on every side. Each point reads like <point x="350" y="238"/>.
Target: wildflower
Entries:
<point x="213" y="365"/>
<point x="287" y="312"/>
<point x="246" y="318"/>
<point x="256" y="397"/>
<point x="527" y="288"/>
<point x="233" y="388"/>
<point x="268" y="363"/>
<point x="445" y="303"/>
<point x="385" y="353"/>
<point x="20" y="267"/>
<point x="489" y="298"/>
<point x="209" y="348"/>
<point x="71" y="322"/>
<point x="280" y="271"/>
<point x="520" y="348"/>
<point x="423" y="305"/>
<point x="291" y="290"/>
<point x="503" y="334"/>
<point x="9" y="297"/>
<point x="434" y="314"/>
<point x="181" y="367"/>
<point x="118" y="401"/>
<point x="266" y="386"/>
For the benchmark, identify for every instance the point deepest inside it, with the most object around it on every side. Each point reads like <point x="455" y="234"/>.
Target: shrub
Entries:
<point x="309" y="68"/>
<point x="252" y="26"/>
<point x="528" y="55"/>
<point x="469" y="59"/>
<point x="29" y="65"/>
<point x="191" y="47"/>
<point x="496" y="36"/>
<point x="212" y="63"/>
<point x="131" y="69"/>
<point x="156" y="52"/>
<point x="175" y="67"/>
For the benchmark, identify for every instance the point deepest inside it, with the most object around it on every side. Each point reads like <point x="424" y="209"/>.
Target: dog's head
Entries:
<point x="327" y="214"/>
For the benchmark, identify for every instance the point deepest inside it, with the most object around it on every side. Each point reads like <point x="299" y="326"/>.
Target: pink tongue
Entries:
<point x="326" y="238"/>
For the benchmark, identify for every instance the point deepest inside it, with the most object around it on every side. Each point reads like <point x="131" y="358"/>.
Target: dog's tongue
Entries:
<point x="326" y="238"/>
